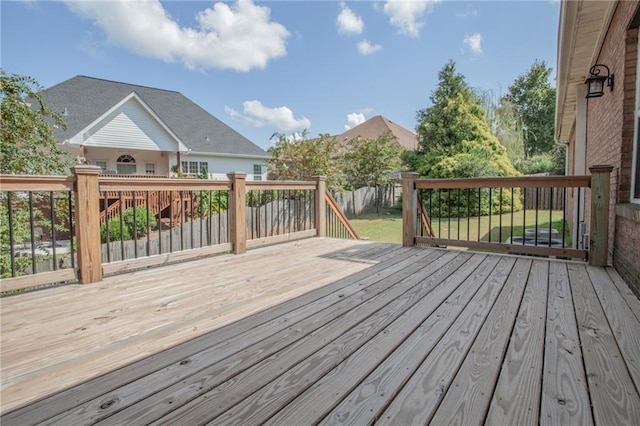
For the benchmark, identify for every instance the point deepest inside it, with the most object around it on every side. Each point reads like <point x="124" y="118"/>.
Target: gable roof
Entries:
<point x="375" y="126"/>
<point x="85" y="99"/>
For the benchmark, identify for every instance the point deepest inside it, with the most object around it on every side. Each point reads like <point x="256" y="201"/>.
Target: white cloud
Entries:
<point x="240" y="36"/>
<point x="474" y="42"/>
<point x="467" y="14"/>
<point x="348" y="22"/>
<point x="257" y="115"/>
<point x="354" y="119"/>
<point x="406" y="14"/>
<point x="366" y="48"/>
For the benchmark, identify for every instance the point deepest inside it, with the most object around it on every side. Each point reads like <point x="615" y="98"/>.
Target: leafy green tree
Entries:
<point x="305" y="158"/>
<point x="369" y="162"/>
<point x="534" y="100"/>
<point x="29" y="145"/>
<point x="505" y="123"/>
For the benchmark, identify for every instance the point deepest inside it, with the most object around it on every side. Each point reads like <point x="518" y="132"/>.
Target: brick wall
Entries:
<point x="610" y="128"/>
<point x="626" y="253"/>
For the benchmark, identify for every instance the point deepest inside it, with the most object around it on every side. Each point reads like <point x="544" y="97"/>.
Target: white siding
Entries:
<point x="220" y="166"/>
<point x="130" y="127"/>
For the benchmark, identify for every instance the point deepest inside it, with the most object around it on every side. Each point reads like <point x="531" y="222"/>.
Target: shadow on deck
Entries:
<point x="329" y="331"/>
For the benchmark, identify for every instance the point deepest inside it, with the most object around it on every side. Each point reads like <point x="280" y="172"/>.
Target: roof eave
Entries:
<point x="581" y="31"/>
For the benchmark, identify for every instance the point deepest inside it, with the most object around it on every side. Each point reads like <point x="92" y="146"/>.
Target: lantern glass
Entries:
<point x="595" y="86"/>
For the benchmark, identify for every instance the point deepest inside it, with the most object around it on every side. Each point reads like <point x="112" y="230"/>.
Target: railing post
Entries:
<point x="409" y="209"/>
<point x="88" y="223"/>
<point x="599" y="225"/>
<point x="237" y="212"/>
<point x="321" y="206"/>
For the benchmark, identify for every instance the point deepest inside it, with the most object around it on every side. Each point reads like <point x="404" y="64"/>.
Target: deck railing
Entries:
<point x="520" y="215"/>
<point x="81" y="227"/>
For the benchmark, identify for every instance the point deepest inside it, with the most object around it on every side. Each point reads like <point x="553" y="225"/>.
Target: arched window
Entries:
<point x="126" y="165"/>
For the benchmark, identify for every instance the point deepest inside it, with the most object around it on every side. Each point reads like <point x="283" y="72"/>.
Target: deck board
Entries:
<point x="328" y="331"/>
<point x="516" y="399"/>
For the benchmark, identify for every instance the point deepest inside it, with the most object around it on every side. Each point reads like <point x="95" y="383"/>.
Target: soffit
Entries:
<point x="582" y="28"/>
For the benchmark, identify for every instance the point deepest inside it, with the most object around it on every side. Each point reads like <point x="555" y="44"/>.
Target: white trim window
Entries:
<point x="257" y="172"/>
<point x="150" y="168"/>
<point x="102" y="164"/>
<point x="194" y="168"/>
<point x="126" y="165"/>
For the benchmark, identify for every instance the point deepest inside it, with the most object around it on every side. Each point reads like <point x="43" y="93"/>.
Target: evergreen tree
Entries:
<point x="454" y="135"/>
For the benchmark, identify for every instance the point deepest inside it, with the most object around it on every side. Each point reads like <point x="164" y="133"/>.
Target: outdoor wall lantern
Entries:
<point x="595" y="83"/>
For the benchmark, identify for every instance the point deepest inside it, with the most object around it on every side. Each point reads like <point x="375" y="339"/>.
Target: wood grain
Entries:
<point x="419" y="398"/>
<point x="330" y="331"/>
<point x="470" y="393"/>
<point x="516" y="398"/>
<point x="565" y="398"/>
<point x="614" y="398"/>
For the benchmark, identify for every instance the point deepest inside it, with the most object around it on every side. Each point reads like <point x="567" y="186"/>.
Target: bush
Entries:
<point x="551" y="162"/>
<point x="126" y="232"/>
<point x="470" y="202"/>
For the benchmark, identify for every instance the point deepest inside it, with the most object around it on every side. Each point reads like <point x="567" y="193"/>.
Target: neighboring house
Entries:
<point x="604" y="130"/>
<point x="376" y="126"/>
<point x="130" y="129"/>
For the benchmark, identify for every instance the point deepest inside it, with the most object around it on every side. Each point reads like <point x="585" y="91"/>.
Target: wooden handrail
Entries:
<point x="507" y="182"/>
<point x="37" y="183"/>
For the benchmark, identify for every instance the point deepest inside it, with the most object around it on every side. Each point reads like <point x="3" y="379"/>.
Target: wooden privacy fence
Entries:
<point x="512" y="215"/>
<point x="163" y="220"/>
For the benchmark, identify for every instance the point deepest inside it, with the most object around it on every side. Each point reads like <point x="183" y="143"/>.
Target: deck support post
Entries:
<point x="237" y="212"/>
<point x="87" y="224"/>
<point x="599" y="224"/>
<point x="409" y="209"/>
<point x="321" y="206"/>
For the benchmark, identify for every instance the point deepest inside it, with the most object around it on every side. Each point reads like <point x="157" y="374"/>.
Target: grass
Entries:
<point x="387" y="226"/>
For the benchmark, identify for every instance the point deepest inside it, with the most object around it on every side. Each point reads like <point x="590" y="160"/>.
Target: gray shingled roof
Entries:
<point x="86" y="99"/>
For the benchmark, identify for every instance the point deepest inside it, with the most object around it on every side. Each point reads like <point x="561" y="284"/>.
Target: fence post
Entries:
<point x="321" y="206"/>
<point x="599" y="225"/>
<point x="237" y="212"/>
<point x="87" y="224"/>
<point x="409" y="209"/>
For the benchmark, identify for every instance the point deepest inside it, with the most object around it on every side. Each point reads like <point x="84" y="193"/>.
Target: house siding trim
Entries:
<point x="130" y="120"/>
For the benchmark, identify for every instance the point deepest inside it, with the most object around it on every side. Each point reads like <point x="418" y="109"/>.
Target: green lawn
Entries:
<point x="387" y="226"/>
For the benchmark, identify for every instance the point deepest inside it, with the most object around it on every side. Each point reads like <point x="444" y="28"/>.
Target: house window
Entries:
<point x="257" y="172"/>
<point x="194" y="168"/>
<point x="150" y="168"/>
<point x="101" y="164"/>
<point x="126" y="165"/>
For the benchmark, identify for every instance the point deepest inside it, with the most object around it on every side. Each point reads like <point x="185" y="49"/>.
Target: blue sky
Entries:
<point x="282" y="66"/>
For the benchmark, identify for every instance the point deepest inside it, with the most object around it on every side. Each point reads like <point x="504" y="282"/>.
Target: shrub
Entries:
<point x="126" y="232"/>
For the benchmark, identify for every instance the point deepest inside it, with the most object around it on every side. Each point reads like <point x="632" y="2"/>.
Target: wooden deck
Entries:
<point x="328" y="331"/>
